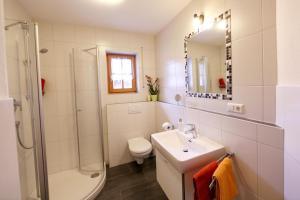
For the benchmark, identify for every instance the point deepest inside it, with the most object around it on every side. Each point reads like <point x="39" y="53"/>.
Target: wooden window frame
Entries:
<point x="111" y="90"/>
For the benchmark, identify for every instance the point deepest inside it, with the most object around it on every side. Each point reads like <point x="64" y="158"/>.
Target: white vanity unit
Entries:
<point x="178" y="157"/>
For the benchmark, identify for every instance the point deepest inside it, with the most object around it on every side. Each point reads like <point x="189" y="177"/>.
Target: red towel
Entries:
<point x="201" y="181"/>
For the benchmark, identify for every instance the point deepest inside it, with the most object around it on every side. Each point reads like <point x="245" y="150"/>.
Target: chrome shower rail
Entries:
<point x="24" y="25"/>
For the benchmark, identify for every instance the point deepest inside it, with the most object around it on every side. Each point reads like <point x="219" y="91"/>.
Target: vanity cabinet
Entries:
<point x="177" y="161"/>
<point x="177" y="186"/>
<point x="169" y="178"/>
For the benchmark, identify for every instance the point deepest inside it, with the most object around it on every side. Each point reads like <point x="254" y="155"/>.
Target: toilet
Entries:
<point x="140" y="148"/>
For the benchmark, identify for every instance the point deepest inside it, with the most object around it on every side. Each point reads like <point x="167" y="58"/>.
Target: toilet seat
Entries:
<point x="139" y="145"/>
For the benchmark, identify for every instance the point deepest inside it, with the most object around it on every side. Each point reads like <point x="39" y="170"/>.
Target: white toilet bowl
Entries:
<point x="140" y="148"/>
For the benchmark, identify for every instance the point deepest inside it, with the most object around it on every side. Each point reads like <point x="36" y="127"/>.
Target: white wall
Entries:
<point x="127" y="121"/>
<point x="254" y="56"/>
<point x="258" y="148"/>
<point x="59" y="39"/>
<point x="288" y="90"/>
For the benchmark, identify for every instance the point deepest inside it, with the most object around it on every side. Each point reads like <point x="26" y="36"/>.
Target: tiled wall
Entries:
<point x="59" y="39"/>
<point x="258" y="148"/>
<point x="254" y="56"/>
<point x="288" y="90"/>
<point x="127" y="121"/>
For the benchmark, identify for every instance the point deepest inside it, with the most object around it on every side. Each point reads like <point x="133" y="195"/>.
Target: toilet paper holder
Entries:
<point x="167" y="126"/>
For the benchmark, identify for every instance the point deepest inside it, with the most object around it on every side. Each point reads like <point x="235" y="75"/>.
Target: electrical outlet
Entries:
<point x="236" y="108"/>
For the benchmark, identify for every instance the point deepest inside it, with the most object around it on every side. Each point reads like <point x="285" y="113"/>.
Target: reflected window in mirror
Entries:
<point x="208" y="60"/>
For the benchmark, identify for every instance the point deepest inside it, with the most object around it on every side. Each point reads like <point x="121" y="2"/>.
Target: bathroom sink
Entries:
<point x="186" y="153"/>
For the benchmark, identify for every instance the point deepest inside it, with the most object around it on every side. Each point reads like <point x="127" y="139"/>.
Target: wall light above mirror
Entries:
<point x="208" y="58"/>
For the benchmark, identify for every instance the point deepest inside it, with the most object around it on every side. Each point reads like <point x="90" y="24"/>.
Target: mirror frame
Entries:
<point x="228" y="62"/>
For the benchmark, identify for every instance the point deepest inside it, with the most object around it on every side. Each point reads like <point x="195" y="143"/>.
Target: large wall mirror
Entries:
<point x="208" y="60"/>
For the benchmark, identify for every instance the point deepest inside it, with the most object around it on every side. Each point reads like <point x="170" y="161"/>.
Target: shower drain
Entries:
<point x="94" y="175"/>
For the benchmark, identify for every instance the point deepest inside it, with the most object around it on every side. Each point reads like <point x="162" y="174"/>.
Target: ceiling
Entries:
<point x="148" y="16"/>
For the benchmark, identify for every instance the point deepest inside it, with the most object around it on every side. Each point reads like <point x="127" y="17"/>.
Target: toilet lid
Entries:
<point x="139" y="145"/>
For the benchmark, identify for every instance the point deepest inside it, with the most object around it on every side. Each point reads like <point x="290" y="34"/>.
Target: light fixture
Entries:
<point x="110" y="2"/>
<point x="198" y="21"/>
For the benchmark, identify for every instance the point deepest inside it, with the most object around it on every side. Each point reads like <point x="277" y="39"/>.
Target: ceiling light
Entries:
<point x="110" y="2"/>
<point x="197" y="22"/>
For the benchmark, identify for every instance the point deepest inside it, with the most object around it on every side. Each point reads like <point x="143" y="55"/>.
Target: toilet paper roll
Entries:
<point x="167" y="126"/>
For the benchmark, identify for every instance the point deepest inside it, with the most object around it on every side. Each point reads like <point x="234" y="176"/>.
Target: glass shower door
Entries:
<point x="87" y="110"/>
<point x="22" y="62"/>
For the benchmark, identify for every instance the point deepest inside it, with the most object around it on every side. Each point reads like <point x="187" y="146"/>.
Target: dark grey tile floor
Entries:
<point x="132" y="182"/>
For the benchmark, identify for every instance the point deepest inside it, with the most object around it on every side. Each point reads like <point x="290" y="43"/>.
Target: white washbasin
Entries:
<point x="173" y="144"/>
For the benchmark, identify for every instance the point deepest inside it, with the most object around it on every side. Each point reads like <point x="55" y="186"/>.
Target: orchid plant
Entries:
<point x="153" y="85"/>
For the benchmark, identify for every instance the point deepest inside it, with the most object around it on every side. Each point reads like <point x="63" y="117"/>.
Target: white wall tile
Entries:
<point x="268" y="13"/>
<point x="50" y="103"/>
<point x="211" y="119"/>
<point x="269" y="56"/>
<point x="68" y="154"/>
<point x="210" y="132"/>
<point x="247" y="61"/>
<point x="64" y="79"/>
<point x="51" y="128"/>
<point x="270" y="183"/>
<point x="86" y="35"/>
<point x="246" y="17"/>
<point x="45" y="31"/>
<point x="62" y="54"/>
<point x="239" y="127"/>
<point x="270" y="104"/>
<point x="53" y="157"/>
<point x="192" y="116"/>
<point x="252" y="98"/>
<point x="66" y="128"/>
<point x="64" y="32"/>
<point x="65" y="104"/>
<point x="270" y="135"/>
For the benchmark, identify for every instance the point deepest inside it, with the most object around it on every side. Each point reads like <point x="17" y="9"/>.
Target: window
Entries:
<point x="121" y="70"/>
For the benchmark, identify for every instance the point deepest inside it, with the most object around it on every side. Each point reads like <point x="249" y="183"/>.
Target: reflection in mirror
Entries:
<point x="208" y="60"/>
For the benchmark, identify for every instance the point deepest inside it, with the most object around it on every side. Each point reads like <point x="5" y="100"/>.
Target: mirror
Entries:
<point x="208" y="60"/>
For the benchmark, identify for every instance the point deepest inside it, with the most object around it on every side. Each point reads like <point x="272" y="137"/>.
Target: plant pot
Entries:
<point x="154" y="97"/>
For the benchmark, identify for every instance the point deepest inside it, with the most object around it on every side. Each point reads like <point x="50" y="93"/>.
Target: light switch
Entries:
<point x="236" y="108"/>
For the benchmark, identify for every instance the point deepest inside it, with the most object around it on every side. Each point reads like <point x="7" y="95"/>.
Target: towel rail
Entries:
<point x="227" y="155"/>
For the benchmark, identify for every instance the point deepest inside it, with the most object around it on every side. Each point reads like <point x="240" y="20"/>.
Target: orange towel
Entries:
<point x="226" y="188"/>
<point x="202" y="180"/>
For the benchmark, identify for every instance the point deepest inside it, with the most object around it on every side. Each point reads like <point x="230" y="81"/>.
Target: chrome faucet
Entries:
<point x="191" y="129"/>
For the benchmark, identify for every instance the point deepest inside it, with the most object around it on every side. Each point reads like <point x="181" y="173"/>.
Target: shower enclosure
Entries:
<point x="60" y="150"/>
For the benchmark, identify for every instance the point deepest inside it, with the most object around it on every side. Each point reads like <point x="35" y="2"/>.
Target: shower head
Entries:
<point x="44" y="50"/>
